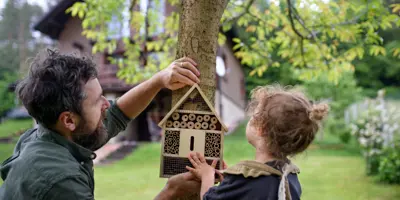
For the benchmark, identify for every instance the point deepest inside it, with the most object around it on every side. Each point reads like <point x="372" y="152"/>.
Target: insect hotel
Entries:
<point x="192" y="125"/>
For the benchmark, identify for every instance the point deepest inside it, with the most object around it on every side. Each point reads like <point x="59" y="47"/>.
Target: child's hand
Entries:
<point x="201" y="168"/>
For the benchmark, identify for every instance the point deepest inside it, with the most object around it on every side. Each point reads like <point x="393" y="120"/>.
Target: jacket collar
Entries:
<point x="80" y="153"/>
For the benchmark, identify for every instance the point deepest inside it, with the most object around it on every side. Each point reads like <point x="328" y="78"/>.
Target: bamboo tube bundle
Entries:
<point x="185" y="117"/>
<point x="169" y="124"/>
<point x="197" y="125"/>
<point x="214" y="120"/>
<point x="183" y="124"/>
<point x="213" y="127"/>
<point x="190" y="125"/>
<point x="206" y="118"/>
<point x="192" y="117"/>
<point x="199" y="118"/>
<point x="204" y="125"/>
<point x="175" y="116"/>
<point x="176" y="124"/>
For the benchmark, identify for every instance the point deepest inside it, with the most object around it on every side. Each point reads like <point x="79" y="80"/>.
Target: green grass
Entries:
<point x="7" y="129"/>
<point x="10" y="127"/>
<point x="329" y="170"/>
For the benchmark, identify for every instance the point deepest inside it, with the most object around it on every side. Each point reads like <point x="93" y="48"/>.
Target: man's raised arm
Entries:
<point x="178" y="74"/>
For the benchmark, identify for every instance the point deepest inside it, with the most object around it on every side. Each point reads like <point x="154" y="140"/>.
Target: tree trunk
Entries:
<point x="21" y="46"/>
<point x="198" y="39"/>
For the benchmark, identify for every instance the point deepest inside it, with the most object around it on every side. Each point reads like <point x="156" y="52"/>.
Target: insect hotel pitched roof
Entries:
<point x="182" y="100"/>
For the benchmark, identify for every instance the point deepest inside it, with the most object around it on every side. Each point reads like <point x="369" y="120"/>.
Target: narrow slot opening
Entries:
<point x="191" y="143"/>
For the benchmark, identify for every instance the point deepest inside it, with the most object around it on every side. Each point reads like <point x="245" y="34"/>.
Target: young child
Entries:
<point x="283" y="123"/>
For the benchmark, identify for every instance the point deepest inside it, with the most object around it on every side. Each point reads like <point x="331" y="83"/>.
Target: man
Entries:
<point x="63" y="94"/>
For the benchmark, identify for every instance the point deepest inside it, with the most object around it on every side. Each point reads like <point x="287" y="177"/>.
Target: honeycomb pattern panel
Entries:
<point x="212" y="145"/>
<point x="171" y="143"/>
<point x="177" y="165"/>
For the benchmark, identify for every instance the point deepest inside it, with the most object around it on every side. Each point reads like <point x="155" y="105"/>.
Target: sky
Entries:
<point x="42" y="3"/>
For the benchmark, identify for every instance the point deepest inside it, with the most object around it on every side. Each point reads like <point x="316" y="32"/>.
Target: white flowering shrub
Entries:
<point x="375" y="130"/>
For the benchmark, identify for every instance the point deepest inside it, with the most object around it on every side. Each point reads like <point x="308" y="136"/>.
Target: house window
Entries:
<point x="78" y="46"/>
<point x="222" y="69"/>
<point x="119" y="27"/>
<point x="118" y="57"/>
<point x="158" y="8"/>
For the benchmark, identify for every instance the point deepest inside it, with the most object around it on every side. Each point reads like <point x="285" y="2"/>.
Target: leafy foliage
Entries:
<point x="376" y="129"/>
<point x="6" y="97"/>
<point x="17" y="43"/>
<point x="376" y="72"/>
<point x="315" y="37"/>
<point x="339" y="95"/>
<point x="16" y="19"/>
<point x="150" y="46"/>
<point x="389" y="167"/>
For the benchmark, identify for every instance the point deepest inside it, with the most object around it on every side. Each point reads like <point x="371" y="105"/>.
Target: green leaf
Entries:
<point x="253" y="72"/>
<point x="74" y="11"/>
<point x="94" y="49"/>
<point x="221" y="39"/>
<point x="354" y="52"/>
<point x="395" y="7"/>
<point x="276" y="64"/>
<point x="81" y="13"/>
<point x="376" y="50"/>
<point x="237" y="46"/>
<point x="236" y="40"/>
<point x="396" y="52"/>
<point x="226" y="27"/>
<point x="261" y="33"/>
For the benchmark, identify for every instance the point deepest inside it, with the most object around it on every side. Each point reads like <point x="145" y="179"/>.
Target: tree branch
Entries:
<point x="269" y="24"/>
<point x="297" y="33"/>
<point x="302" y="52"/>
<point x="312" y="34"/>
<point x="245" y="11"/>
<point x="292" y="21"/>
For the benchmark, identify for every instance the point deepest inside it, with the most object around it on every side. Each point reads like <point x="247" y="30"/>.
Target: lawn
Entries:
<point x="329" y="170"/>
<point x="11" y="127"/>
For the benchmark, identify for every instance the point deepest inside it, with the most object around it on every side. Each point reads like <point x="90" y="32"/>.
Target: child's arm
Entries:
<point x="202" y="171"/>
<point x="207" y="182"/>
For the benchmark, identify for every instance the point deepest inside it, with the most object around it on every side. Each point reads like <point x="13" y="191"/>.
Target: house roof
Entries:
<point x="179" y="103"/>
<point x="52" y="23"/>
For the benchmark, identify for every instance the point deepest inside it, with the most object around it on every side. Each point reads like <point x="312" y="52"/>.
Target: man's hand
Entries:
<point x="185" y="183"/>
<point x="178" y="74"/>
<point x="180" y="185"/>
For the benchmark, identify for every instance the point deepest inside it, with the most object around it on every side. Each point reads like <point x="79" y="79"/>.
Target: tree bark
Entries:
<point x="198" y="39"/>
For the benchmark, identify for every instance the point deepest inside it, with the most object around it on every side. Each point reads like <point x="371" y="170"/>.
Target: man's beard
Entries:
<point x="90" y="139"/>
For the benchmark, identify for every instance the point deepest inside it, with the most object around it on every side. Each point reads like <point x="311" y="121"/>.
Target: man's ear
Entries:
<point x="69" y="120"/>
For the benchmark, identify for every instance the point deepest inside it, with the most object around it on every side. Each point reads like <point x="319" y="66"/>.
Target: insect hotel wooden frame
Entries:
<point x="192" y="125"/>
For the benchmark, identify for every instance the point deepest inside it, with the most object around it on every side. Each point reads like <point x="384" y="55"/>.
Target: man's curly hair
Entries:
<point x="55" y="84"/>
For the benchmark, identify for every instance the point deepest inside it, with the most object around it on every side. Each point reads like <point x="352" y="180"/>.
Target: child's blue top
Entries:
<point x="261" y="187"/>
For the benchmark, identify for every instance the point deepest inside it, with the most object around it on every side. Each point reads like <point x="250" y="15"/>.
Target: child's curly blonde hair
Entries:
<point x="287" y="119"/>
